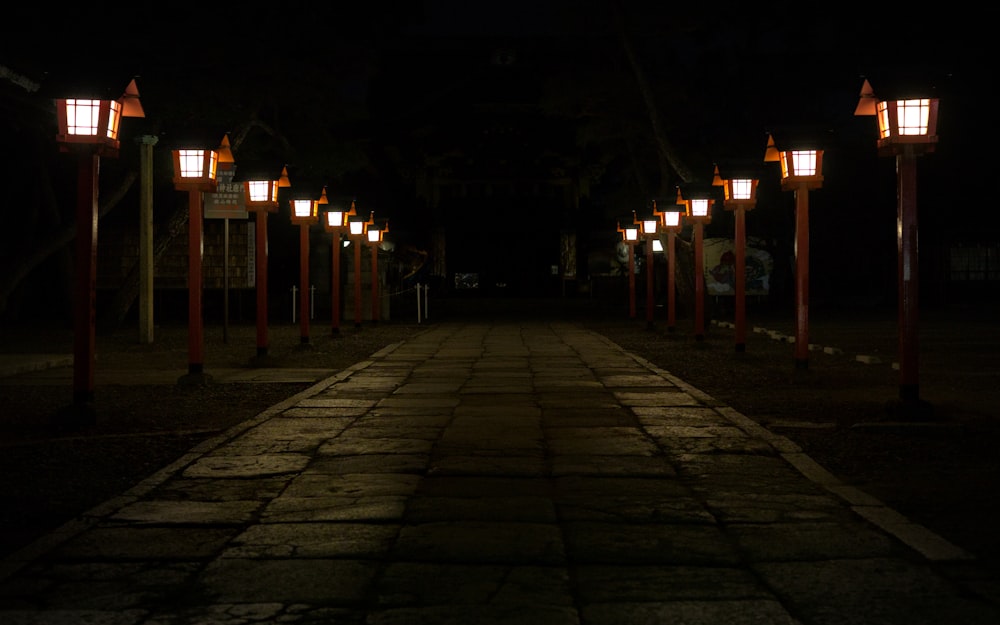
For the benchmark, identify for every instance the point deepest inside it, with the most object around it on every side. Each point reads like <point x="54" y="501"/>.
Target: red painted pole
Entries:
<point x="375" y="302"/>
<point x="802" y="277"/>
<point x="196" y="337"/>
<point x="631" y="280"/>
<point x="699" y="282"/>
<point x="85" y="287"/>
<point x="671" y="282"/>
<point x="357" y="282"/>
<point x="336" y="282"/>
<point x="741" y="280"/>
<point x="906" y="180"/>
<point x="261" y="270"/>
<point x="649" y="283"/>
<point x="304" y="283"/>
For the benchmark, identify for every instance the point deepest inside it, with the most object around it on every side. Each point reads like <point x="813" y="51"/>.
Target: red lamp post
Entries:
<point x="907" y="128"/>
<point x="195" y="171"/>
<point x="671" y="223"/>
<point x="336" y="223"/>
<point x="649" y="232"/>
<point x="305" y="213"/>
<point x="801" y="170"/>
<point x="89" y="125"/>
<point x="375" y="236"/>
<point x="630" y="235"/>
<point x="740" y="195"/>
<point x="357" y="233"/>
<point x="261" y="193"/>
<point x="699" y="203"/>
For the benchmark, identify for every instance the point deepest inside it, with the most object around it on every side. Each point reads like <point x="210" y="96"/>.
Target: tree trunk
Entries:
<point x="669" y="159"/>
<point x="60" y="238"/>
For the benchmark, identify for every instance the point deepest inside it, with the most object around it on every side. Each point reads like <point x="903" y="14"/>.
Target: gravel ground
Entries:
<point x="942" y="473"/>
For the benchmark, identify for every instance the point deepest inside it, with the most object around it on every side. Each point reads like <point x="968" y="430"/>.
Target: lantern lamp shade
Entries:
<point x="657" y="245"/>
<point x="358" y="227"/>
<point x="801" y="162"/>
<point x="90" y="118"/>
<point x="195" y="169"/>
<point x="89" y="122"/>
<point x="261" y="195"/>
<point x="335" y="217"/>
<point x="374" y="234"/>
<point x="802" y="165"/>
<point x="739" y="193"/>
<point x="670" y="217"/>
<point x="304" y="210"/>
<point x="907" y="122"/>
<point x="740" y="188"/>
<point x="630" y="233"/>
<point x="739" y="185"/>
<point x="335" y="220"/>
<point x="699" y="200"/>
<point x="260" y="185"/>
<point x="649" y="226"/>
<point x="700" y="207"/>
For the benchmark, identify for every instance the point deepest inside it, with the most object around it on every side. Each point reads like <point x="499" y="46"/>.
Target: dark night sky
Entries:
<point x="722" y="79"/>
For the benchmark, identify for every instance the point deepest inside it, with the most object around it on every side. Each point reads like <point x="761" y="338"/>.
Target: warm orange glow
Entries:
<point x="197" y="163"/>
<point x="83" y="117"/>
<point x="195" y="169"/>
<point x="798" y="163"/>
<point x="906" y="117"/>
<point x="225" y="152"/>
<point x="700" y="207"/>
<point x="740" y="189"/>
<point x="262" y="191"/>
<point x="903" y="124"/>
<point x="303" y="209"/>
<point x="89" y="122"/>
<point x="336" y="219"/>
<point x="670" y="218"/>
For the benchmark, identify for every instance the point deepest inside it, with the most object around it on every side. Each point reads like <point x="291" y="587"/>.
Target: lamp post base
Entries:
<point x="194" y="377"/>
<point x="910" y="409"/>
<point x="78" y="415"/>
<point x="262" y="359"/>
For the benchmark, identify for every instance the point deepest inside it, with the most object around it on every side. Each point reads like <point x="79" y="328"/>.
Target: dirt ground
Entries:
<point x="941" y="472"/>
